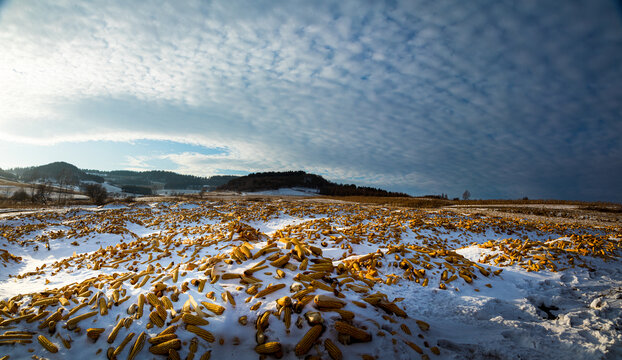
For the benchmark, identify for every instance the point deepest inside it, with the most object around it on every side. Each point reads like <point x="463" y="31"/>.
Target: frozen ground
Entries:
<point x="489" y="288"/>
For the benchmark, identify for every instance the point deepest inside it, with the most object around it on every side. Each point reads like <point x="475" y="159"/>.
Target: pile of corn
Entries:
<point x="6" y="257"/>
<point x="553" y="255"/>
<point x="203" y="263"/>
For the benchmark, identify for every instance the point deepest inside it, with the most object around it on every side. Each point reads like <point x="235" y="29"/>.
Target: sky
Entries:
<point x="504" y="98"/>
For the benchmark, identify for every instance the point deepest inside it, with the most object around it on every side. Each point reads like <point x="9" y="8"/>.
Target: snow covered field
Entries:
<point x="297" y="278"/>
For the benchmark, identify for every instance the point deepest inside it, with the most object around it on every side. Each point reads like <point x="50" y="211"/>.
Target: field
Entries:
<point x="296" y="278"/>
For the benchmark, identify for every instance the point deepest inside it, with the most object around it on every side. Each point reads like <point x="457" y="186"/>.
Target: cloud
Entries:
<point x="496" y="97"/>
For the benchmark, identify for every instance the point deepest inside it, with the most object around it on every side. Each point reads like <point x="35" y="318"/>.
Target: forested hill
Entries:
<point x="290" y="179"/>
<point x="65" y="173"/>
<point x="59" y="171"/>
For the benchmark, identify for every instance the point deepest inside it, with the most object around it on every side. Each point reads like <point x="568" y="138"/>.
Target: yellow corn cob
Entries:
<point x="194" y="345"/>
<point x="230" y="298"/>
<point x="345" y="314"/>
<point x="121" y="346"/>
<point x="202" y="333"/>
<point x="47" y="344"/>
<point x="138" y="346"/>
<point x="252" y="290"/>
<point x="73" y="322"/>
<point x="435" y="350"/>
<point x="392" y="308"/>
<point x="287" y="317"/>
<point x="284" y="301"/>
<point x="206" y="355"/>
<point x="169" y="330"/>
<point x="320" y="285"/>
<point x="162" y="312"/>
<point x="354" y="332"/>
<point x="216" y="309"/>
<point x="269" y="290"/>
<point x="304" y="345"/>
<point x="56" y="316"/>
<point x="156" y="319"/>
<point x="202" y="285"/>
<point x="414" y="347"/>
<point x="45" y="302"/>
<point x="173" y="354"/>
<point x="333" y="350"/>
<point x="262" y="321"/>
<point x="15" y="341"/>
<point x="6" y="336"/>
<point x="405" y="329"/>
<point x="103" y="306"/>
<point x="39" y="316"/>
<point x="304" y="264"/>
<point x="255" y="306"/>
<point x="193" y="319"/>
<point x="268" y="348"/>
<point x="163" y="348"/>
<point x="328" y="302"/>
<point x="230" y="276"/>
<point x="153" y="300"/>
<point x="161" y="338"/>
<point x="243" y="320"/>
<point x="280" y="262"/>
<point x="251" y="271"/>
<point x="359" y="304"/>
<point x="424" y="326"/>
<point x="466" y="278"/>
<point x="94" y="333"/>
<point x="66" y="342"/>
<point x="115" y="331"/>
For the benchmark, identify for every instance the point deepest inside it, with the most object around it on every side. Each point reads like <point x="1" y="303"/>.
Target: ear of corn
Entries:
<point x="73" y="322"/>
<point x="354" y="332"/>
<point x="161" y="338"/>
<point x="304" y="345"/>
<point x="328" y="302"/>
<point x="193" y="319"/>
<point x="332" y="350"/>
<point x="47" y="344"/>
<point x="269" y="290"/>
<point x="125" y="341"/>
<point x="202" y="333"/>
<point x="414" y="347"/>
<point x="115" y="331"/>
<point x="94" y="333"/>
<point x="424" y="326"/>
<point x="163" y="348"/>
<point x="268" y="348"/>
<point x="156" y="319"/>
<point x="216" y="309"/>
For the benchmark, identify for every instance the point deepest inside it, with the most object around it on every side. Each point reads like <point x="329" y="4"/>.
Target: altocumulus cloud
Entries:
<point x="504" y="98"/>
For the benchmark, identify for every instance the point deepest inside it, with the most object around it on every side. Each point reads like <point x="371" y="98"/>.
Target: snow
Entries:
<point x="573" y="313"/>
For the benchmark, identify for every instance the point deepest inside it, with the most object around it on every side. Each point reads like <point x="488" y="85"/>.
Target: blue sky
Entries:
<point x="504" y="98"/>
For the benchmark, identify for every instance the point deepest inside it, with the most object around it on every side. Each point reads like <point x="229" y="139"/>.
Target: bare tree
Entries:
<point x="466" y="195"/>
<point x="42" y="193"/>
<point x="97" y="193"/>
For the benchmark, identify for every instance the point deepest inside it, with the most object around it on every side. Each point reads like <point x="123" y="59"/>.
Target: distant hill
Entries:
<point x="62" y="172"/>
<point x="7" y="175"/>
<point x="289" y="179"/>
<point x="161" y="179"/>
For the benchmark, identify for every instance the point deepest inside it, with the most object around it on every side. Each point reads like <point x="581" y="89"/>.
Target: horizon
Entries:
<point x="504" y="100"/>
